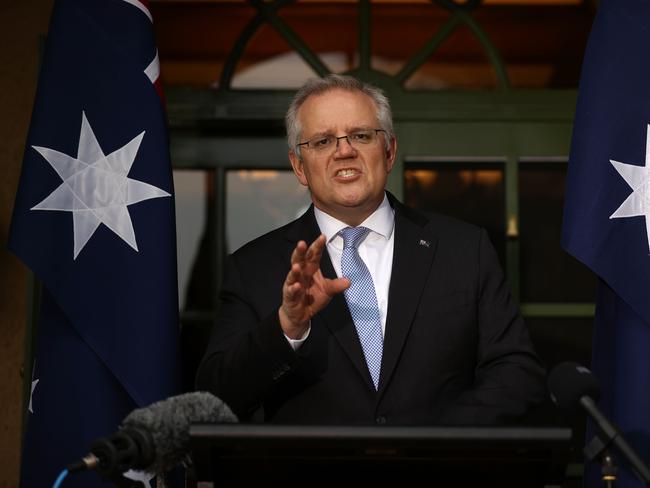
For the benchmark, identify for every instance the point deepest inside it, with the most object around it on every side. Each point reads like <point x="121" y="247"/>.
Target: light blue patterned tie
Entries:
<point x="362" y="299"/>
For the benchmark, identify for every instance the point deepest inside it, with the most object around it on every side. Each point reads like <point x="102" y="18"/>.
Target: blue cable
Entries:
<point x="60" y="479"/>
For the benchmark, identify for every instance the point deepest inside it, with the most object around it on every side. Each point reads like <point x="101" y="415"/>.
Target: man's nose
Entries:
<point x="343" y="147"/>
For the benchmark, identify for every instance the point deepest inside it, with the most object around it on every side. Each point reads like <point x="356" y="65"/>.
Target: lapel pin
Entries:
<point x="425" y="243"/>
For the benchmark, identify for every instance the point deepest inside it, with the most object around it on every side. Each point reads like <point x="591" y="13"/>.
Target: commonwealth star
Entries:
<point x="96" y="188"/>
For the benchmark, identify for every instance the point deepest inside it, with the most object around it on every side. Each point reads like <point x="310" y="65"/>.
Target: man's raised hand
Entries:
<point x="306" y="291"/>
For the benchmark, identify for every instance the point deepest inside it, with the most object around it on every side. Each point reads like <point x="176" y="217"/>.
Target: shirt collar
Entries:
<point x="381" y="221"/>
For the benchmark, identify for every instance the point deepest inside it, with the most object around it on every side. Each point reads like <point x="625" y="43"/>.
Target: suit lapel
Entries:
<point x="414" y="249"/>
<point x="305" y="229"/>
<point x="335" y="316"/>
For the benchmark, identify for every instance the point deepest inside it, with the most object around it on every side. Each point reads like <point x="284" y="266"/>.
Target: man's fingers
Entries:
<point x="299" y="253"/>
<point x="336" y="286"/>
<point x="300" y="296"/>
<point x="313" y="256"/>
<point x="292" y="292"/>
<point x="315" y="251"/>
<point x="305" y="261"/>
<point x="294" y="275"/>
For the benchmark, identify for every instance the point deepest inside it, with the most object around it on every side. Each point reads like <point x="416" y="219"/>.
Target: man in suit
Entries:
<point x="365" y="311"/>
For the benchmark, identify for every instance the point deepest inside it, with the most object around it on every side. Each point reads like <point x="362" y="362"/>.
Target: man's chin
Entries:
<point x="361" y="205"/>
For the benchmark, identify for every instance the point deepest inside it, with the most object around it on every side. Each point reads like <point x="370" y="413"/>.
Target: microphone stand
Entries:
<point x="608" y="470"/>
<point x="612" y="437"/>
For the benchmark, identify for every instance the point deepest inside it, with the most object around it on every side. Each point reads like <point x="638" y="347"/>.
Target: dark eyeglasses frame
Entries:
<point x="340" y="137"/>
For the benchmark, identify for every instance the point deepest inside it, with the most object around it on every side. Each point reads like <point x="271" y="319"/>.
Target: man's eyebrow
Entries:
<point x="321" y="134"/>
<point x="359" y="128"/>
<point x="349" y="130"/>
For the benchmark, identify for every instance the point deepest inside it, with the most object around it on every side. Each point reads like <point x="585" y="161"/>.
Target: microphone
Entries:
<point x="154" y="438"/>
<point x="570" y="383"/>
<point x="572" y="387"/>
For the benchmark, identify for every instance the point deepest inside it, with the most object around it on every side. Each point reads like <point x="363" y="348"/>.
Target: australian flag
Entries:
<point x="607" y="212"/>
<point x="94" y="220"/>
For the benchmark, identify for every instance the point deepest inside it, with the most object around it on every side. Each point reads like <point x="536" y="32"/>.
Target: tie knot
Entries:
<point x="352" y="236"/>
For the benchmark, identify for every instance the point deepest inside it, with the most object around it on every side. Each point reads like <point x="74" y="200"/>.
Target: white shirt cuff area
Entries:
<point x="296" y="343"/>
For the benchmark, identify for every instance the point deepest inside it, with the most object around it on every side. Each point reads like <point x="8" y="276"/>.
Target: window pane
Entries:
<point x="548" y="274"/>
<point x="460" y="62"/>
<point x="193" y="195"/>
<point x="471" y="192"/>
<point x="258" y="201"/>
<point x="196" y="283"/>
<point x="195" y="39"/>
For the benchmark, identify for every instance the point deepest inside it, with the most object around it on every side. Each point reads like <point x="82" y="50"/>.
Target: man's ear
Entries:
<point x="298" y="167"/>
<point x="391" y="152"/>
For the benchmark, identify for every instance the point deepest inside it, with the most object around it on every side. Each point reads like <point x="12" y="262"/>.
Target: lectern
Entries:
<point x="306" y="456"/>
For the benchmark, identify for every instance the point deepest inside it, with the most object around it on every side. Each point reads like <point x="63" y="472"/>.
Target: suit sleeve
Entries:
<point x="509" y="377"/>
<point x="248" y="356"/>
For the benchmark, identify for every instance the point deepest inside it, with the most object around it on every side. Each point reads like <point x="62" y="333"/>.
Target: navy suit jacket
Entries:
<point x="456" y="350"/>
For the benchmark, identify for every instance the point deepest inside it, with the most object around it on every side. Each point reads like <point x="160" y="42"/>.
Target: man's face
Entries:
<point x="346" y="183"/>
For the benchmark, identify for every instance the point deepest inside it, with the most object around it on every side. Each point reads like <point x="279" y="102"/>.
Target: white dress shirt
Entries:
<point x="376" y="251"/>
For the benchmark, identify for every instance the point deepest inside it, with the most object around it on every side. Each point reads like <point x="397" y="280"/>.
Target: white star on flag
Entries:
<point x="638" y="178"/>
<point x="142" y="476"/>
<point x="31" y="395"/>
<point x="96" y="188"/>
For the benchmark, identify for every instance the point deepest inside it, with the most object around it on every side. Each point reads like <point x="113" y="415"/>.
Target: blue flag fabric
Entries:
<point x="94" y="220"/>
<point x="606" y="224"/>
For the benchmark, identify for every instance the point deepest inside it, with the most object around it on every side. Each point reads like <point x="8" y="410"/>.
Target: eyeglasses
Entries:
<point x="358" y="140"/>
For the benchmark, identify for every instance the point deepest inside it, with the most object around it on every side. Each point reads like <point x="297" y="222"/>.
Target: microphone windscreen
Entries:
<point x="168" y="421"/>
<point x="569" y="382"/>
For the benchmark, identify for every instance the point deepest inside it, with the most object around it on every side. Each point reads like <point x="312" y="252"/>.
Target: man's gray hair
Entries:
<point x="318" y="86"/>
